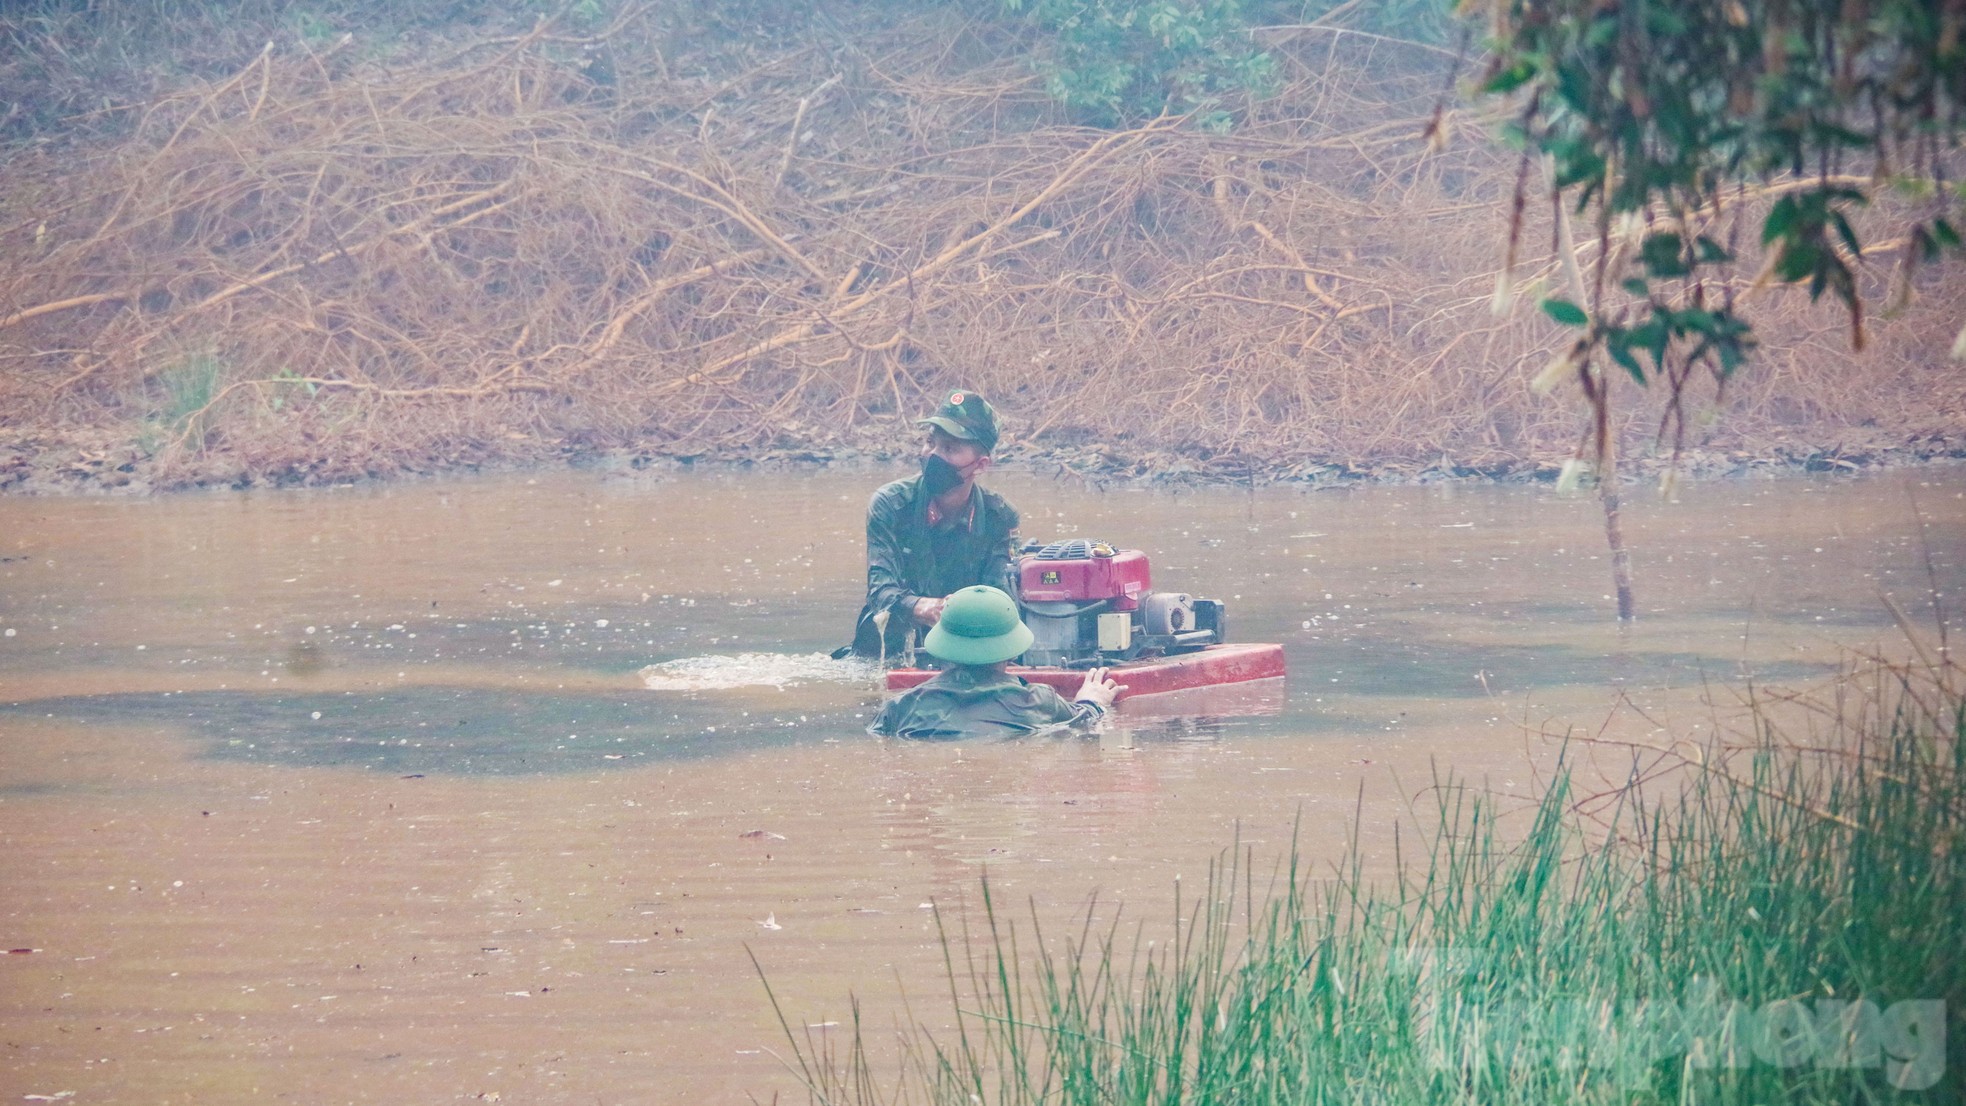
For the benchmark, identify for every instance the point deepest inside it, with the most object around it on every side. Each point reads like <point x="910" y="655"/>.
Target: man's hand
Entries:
<point x="928" y="611"/>
<point x="1099" y="690"/>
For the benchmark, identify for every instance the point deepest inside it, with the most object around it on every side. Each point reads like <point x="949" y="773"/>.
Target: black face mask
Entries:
<point x="939" y="476"/>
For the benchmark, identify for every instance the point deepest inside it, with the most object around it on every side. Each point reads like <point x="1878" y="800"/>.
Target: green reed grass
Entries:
<point x="1716" y="944"/>
<point x="182" y="416"/>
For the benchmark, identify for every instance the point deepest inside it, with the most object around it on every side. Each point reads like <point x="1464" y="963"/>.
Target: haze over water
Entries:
<point x="443" y="790"/>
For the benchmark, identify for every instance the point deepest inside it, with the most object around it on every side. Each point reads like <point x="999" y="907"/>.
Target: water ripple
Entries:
<point x="718" y="673"/>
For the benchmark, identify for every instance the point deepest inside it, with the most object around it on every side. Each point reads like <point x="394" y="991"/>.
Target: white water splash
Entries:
<point x="716" y="673"/>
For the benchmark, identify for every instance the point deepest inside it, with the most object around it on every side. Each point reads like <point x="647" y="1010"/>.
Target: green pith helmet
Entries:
<point x="968" y="416"/>
<point x="979" y="625"/>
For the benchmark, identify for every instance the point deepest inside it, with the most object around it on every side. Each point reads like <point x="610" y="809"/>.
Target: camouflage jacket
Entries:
<point x="978" y="701"/>
<point x="908" y="559"/>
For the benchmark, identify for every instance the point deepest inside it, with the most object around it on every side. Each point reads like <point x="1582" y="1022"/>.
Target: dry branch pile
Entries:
<point x="550" y="243"/>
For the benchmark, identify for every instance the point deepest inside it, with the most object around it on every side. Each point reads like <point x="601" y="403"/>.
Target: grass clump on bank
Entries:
<point x="1784" y="926"/>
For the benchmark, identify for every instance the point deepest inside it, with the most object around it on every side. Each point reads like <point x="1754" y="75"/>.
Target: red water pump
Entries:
<point x="1089" y="604"/>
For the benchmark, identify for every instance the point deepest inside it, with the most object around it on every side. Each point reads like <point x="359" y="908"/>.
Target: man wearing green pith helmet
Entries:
<point x="980" y="634"/>
<point x="932" y="534"/>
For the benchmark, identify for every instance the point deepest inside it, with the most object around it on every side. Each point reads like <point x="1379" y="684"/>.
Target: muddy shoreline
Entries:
<point x="45" y="465"/>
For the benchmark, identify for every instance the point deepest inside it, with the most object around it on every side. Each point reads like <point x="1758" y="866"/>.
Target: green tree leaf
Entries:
<point x="1779" y="219"/>
<point x="1618" y="345"/>
<point x="1661" y="255"/>
<point x="1565" y="312"/>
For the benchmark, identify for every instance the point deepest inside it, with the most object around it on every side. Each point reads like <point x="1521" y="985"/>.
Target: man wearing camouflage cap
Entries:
<point x="935" y="533"/>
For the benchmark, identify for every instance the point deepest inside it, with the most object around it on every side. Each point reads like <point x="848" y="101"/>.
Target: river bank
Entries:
<point x="699" y="237"/>
<point x="83" y="463"/>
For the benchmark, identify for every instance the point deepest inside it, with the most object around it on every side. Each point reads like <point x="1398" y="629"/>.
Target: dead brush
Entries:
<point x="717" y="244"/>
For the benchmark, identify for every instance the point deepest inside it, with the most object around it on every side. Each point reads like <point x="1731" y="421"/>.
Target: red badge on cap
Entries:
<point x="956" y="399"/>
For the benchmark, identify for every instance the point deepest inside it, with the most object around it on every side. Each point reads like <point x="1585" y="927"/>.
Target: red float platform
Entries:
<point x="1232" y="663"/>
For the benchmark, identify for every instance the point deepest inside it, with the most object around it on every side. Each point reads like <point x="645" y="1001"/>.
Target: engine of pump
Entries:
<point x="1088" y="604"/>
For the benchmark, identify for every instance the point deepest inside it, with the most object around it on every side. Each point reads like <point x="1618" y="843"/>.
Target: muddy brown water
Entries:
<point x="482" y="789"/>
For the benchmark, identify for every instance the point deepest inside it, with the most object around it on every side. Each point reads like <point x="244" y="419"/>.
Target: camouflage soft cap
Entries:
<point x="968" y="416"/>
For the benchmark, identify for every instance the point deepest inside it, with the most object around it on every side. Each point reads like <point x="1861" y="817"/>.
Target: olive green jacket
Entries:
<point x="978" y="701"/>
<point x="907" y="559"/>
